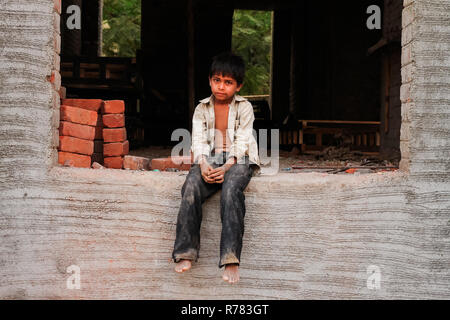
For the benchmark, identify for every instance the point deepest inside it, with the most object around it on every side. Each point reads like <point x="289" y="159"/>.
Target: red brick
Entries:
<point x="78" y="115"/>
<point x="79" y="160"/>
<point x="136" y="163"/>
<point x="114" y="135"/>
<point x="116" y="149"/>
<point x="114" y="120"/>
<point x="113" y="106"/>
<point x="113" y="162"/>
<point x="160" y="164"/>
<point x="76" y="145"/>
<point x="76" y="130"/>
<point x="88" y="104"/>
<point x="180" y="163"/>
<point x="185" y="167"/>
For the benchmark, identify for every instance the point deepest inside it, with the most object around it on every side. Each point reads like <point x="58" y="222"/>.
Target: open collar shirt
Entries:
<point x="240" y="130"/>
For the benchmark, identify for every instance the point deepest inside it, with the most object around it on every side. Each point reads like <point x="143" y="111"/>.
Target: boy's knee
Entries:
<point x="193" y="181"/>
<point x="230" y="192"/>
<point x="194" y="175"/>
<point x="239" y="170"/>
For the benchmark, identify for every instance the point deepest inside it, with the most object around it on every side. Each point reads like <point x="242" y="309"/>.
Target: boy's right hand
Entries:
<point x="206" y="169"/>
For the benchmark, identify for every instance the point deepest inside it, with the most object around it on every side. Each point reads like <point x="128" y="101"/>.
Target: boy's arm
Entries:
<point x="200" y="147"/>
<point x="243" y="133"/>
<point x="230" y="162"/>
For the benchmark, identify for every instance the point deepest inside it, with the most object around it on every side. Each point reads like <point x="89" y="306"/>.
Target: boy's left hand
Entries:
<point x="218" y="174"/>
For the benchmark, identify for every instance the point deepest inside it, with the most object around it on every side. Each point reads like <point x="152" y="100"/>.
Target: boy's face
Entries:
<point x="223" y="87"/>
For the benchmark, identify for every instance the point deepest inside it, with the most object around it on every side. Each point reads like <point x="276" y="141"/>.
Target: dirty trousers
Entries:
<point x="232" y="211"/>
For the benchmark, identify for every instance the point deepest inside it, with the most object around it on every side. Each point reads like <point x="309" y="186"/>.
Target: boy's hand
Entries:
<point x="218" y="174"/>
<point x="206" y="169"/>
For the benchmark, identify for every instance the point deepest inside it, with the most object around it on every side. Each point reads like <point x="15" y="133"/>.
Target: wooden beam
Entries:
<point x="305" y="122"/>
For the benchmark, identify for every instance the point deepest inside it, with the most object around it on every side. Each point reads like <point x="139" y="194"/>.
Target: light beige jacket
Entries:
<point x="240" y="130"/>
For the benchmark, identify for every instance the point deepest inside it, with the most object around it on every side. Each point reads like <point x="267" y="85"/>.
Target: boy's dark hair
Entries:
<point x="228" y="64"/>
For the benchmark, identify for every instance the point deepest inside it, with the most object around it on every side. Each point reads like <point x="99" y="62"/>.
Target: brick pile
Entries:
<point x="92" y="133"/>
<point x="115" y="143"/>
<point x="78" y="118"/>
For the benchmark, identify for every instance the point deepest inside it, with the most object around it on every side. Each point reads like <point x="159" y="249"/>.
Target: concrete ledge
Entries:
<point x="307" y="236"/>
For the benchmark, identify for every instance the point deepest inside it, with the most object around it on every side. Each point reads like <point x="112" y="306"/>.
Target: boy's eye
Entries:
<point x="229" y="82"/>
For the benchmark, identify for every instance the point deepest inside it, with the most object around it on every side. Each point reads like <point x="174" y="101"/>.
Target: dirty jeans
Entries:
<point x="232" y="210"/>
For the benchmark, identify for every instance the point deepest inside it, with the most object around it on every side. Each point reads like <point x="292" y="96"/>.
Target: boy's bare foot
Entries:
<point x="231" y="273"/>
<point x="183" y="265"/>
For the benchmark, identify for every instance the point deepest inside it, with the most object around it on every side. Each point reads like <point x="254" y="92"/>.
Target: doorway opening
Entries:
<point x="252" y="39"/>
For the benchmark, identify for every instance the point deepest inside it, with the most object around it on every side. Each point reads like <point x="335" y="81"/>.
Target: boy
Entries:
<point x="225" y="157"/>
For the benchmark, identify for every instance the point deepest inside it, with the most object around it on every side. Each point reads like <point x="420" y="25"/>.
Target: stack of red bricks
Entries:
<point x="115" y="143"/>
<point x="77" y="131"/>
<point x="92" y="130"/>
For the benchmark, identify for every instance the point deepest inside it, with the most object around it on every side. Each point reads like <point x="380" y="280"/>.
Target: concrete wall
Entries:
<point x="307" y="235"/>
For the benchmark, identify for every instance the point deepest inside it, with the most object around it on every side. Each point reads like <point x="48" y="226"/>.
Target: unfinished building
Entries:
<point x="308" y="235"/>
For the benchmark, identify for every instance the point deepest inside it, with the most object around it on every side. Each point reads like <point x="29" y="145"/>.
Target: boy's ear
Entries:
<point x="239" y="87"/>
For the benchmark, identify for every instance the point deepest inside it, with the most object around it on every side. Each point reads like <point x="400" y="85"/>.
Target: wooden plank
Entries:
<point x="305" y="122"/>
<point x="346" y="167"/>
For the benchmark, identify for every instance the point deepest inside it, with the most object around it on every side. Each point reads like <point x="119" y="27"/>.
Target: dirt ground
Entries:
<point x="331" y="160"/>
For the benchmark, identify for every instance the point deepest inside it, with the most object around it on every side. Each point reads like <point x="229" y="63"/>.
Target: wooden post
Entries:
<point x="387" y="87"/>
<point x="293" y="67"/>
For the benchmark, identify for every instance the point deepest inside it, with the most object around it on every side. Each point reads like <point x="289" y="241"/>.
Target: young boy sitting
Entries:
<point x="225" y="157"/>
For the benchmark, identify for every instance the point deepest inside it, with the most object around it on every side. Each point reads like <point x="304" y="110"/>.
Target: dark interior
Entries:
<point x="321" y="68"/>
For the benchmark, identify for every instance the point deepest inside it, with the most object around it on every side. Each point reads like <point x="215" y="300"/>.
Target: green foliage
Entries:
<point x="121" y="27"/>
<point x="252" y="39"/>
